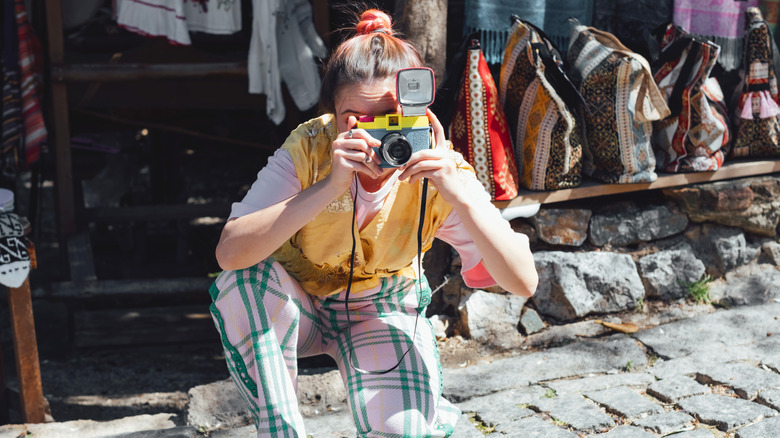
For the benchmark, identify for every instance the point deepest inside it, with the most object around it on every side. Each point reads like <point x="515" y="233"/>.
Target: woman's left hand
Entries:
<point x="436" y="164"/>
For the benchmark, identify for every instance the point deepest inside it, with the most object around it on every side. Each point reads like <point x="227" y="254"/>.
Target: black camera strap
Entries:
<point x="351" y="271"/>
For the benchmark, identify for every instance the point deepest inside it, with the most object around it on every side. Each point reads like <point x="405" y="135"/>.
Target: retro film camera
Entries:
<point x="406" y="133"/>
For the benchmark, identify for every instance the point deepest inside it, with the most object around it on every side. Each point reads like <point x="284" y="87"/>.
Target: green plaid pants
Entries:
<point x="266" y="322"/>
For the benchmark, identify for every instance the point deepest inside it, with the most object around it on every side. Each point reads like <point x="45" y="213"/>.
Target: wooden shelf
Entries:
<point x="591" y="189"/>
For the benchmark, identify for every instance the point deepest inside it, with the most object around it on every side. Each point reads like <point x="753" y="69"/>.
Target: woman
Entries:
<point x="288" y="259"/>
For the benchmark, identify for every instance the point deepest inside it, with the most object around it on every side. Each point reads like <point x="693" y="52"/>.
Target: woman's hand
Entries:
<point x="436" y="164"/>
<point x="352" y="153"/>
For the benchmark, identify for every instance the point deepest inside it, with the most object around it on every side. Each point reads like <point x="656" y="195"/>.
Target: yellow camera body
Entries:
<point x="401" y="136"/>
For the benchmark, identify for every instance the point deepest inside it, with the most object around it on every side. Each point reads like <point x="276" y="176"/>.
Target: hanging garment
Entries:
<point x="479" y="130"/>
<point x="491" y="20"/>
<point x="283" y="47"/>
<point x="13" y="126"/>
<point x="31" y="70"/>
<point x="770" y="9"/>
<point x="155" y="18"/>
<point x="221" y="17"/>
<point x="721" y="21"/>
<point x="632" y="21"/>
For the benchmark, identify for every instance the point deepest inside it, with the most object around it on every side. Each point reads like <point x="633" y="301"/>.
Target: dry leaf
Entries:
<point x="628" y="327"/>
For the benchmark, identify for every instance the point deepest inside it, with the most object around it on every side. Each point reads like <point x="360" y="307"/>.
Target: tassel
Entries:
<point x="747" y="108"/>
<point x="769" y="107"/>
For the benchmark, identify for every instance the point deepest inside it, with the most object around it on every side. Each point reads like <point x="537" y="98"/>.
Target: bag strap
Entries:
<point x="553" y="70"/>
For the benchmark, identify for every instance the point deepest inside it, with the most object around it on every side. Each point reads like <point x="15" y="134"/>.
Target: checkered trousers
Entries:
<point x="266" y="321"/>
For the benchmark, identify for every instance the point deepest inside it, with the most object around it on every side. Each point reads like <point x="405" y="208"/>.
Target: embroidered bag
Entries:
<point x="479" y="131"/>
<point x="695" y="137"/>
<point x="756" y="121"/>
<point x="622" y="102"/>
<point x="540" y="103"/>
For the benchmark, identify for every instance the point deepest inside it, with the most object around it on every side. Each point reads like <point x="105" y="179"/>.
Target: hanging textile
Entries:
<point x="31" y="70"/>
<point x="491" y="20"/>
<point x="770" y="9"/>
<point x="721" y="21"/>
<point x="283" y="48"/>
<point x="13" y="126"/>
<point x="632" y="21"/>
<point x="155" y="18"/>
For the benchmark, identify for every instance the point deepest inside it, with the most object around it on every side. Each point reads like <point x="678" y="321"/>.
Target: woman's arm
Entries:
<point x="505" y="254"/>
<point x="251" y="238"/>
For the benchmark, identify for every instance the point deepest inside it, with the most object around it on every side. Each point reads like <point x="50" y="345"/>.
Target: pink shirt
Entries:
<point x="280" y="174"/>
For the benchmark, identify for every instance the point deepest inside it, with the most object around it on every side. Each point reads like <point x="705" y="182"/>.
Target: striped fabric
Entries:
<point x="267" y="321"/>
<point x="13" y="128"/>
<point x="31" y="68"/>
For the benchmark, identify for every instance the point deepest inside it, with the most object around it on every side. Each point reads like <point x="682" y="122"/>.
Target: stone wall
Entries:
<point x="614" y="254"/>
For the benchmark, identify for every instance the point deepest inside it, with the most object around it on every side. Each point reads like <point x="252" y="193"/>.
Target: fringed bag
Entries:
<point x="756" y="120"/>
<point x="695" y="137"/>
<point x="622" y="102"/>
<point x="540" y="104"/>
<point x="479" y="131"/>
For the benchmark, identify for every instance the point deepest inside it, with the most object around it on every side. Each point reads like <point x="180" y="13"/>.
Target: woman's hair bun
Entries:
<point x="374" y="20"/>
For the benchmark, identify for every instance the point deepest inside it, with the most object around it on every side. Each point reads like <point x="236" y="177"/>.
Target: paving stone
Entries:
<point x="176" y="432"/>
<point x="625" y="432"/>
<point x="238" y="432"/>
<point x="770" y="397"/>
<point x="725" y="413"/>
<point x="531" y="322"/>
<point x="625" y="402"/>
<point x="766" y="428"/>
<point x="466" y="429"/>
<point x="576" y="411"/>
<point x="503" y="407"/>
<point x="666" y="422"/>
<point x="675" y="388"/>
<point x="698" y="433"/>
<point x="90" y="428"/>
<point x="595" y="383"/>
<point x="746" y="380"/>
<point x="534" y="427"/>
<point x="743" y="327"/>
<point x="578" y="359"/>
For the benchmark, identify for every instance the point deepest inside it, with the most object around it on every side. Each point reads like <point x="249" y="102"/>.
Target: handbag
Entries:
<point x="695" y="137"/>
<point x="540" y="104"/>
<point x="622" y="102"/>
<point x="479" y="130"/>
<point x="757" y="126"/>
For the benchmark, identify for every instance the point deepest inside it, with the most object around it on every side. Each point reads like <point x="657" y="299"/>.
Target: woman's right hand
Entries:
<point x="351" y="152"/>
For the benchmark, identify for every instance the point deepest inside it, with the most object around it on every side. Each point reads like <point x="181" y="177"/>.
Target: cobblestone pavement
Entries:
<point x="716" y="375"/>
<point x="712" y="375"/>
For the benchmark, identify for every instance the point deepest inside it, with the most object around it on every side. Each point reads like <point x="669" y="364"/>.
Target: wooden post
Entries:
<point x="60" y="123"/>
<point x="424" y="22"/>
<point x="26" y="351"/>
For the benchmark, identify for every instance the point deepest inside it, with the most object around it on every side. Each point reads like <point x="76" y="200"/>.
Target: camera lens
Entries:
<point x="396" y="149"/>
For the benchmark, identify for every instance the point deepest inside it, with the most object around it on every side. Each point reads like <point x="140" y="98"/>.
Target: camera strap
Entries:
<point x="351" y="271"/>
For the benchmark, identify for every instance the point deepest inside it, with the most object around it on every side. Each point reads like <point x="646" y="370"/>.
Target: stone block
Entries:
<point x="747" y="285"/>
<point x="771" y="250"/>
<point x="491" y="318"/>
<point x="676" y="388"/>
<point x="625" y="402"/>
<point x="573" y="285"/>
<point x="534" y="427"/>
<point x="597" y="383"/>
<point x="576" y="411"/>
<point x="723" y="249"/>
<point x="633" y="225"/>
<point x="766" y="428"/>
<point x="530" y="322"/>
<point x="567" y="227"/>
<point x="625" y="432"/>
<point x="725" y="413"/>
<point x="666" y="422"/>
<point x="746" y="380"/>
<point x="752" y="204"/>
<point x="217" y="405"/>
<point x="666" y="272"/>
<point x="771" y="398"/>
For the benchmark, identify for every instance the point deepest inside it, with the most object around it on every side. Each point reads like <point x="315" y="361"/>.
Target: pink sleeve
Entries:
<point x="453" y="232"/>
<point x="275" y="182"/>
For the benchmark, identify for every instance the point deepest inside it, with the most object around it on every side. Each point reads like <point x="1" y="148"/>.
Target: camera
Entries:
<point x="406" y="133"/>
